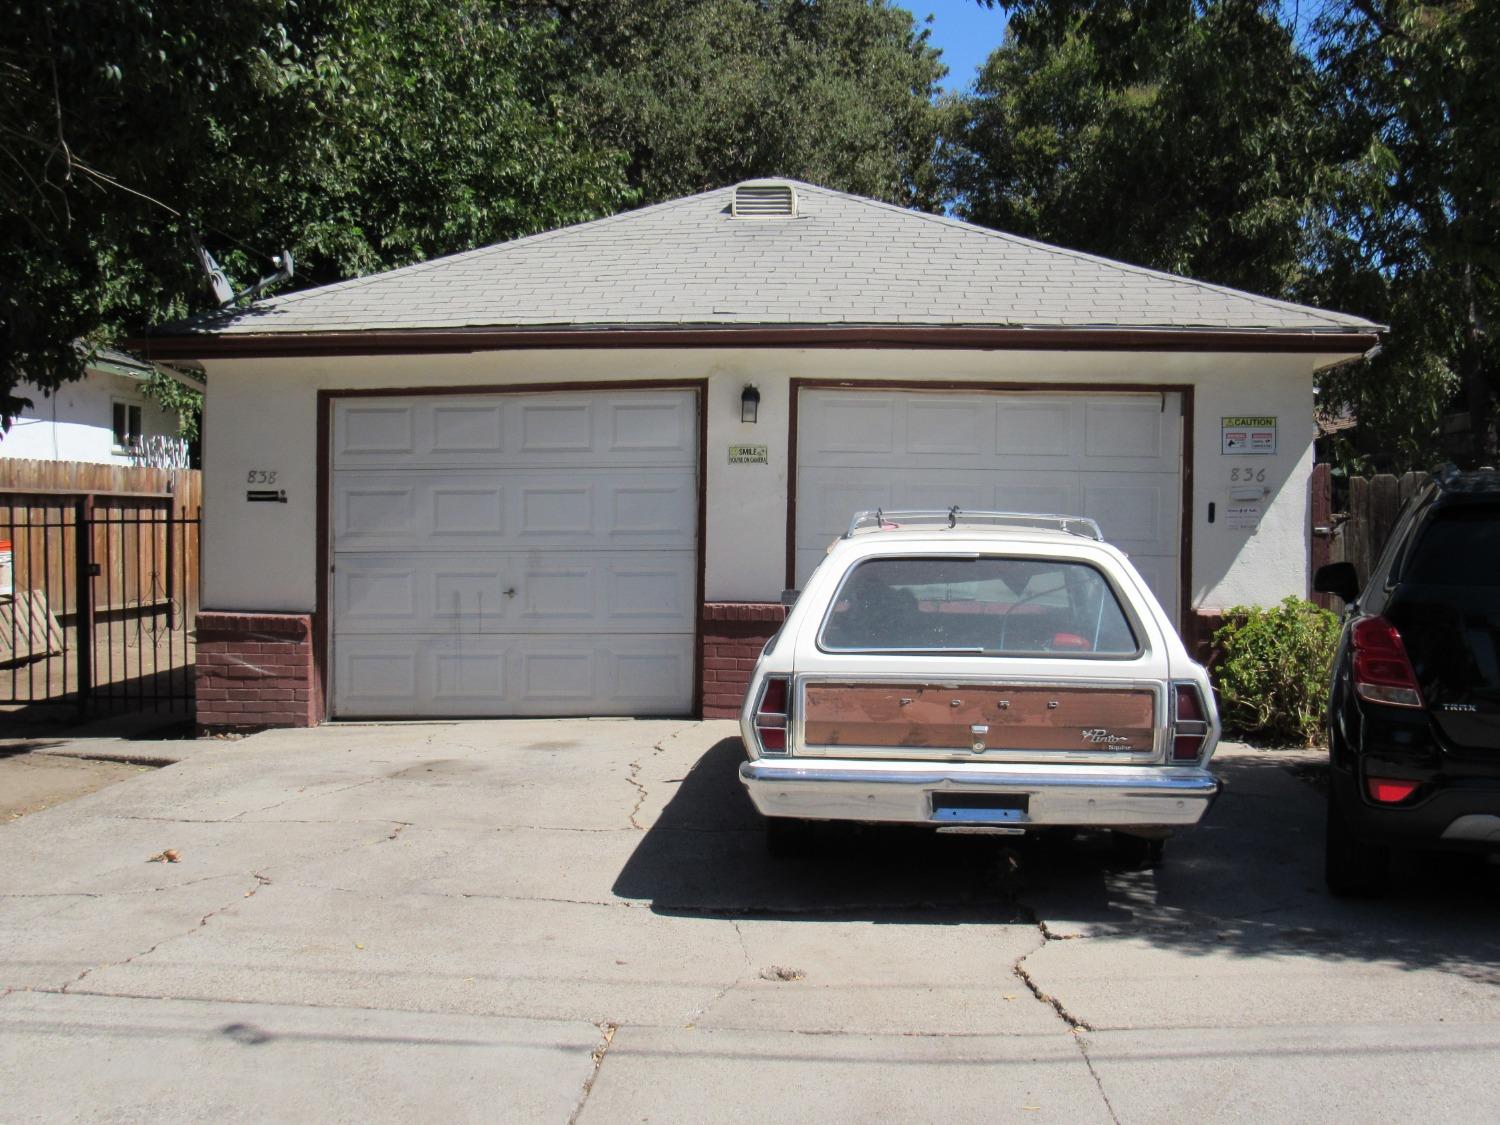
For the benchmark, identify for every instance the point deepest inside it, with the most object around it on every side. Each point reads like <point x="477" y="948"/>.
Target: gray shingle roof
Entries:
<point x="844" y="261"/>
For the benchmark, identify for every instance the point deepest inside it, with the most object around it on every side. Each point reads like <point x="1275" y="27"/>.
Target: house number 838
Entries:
<point x="261" y="476"/>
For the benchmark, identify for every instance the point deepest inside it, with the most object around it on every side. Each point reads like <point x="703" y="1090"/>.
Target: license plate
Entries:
<point x="978" y="816"/>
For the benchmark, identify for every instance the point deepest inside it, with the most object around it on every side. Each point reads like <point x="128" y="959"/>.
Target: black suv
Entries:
<point x="1414" y="711"/>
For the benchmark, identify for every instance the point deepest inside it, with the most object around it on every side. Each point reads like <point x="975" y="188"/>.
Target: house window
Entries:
<point x="127" y="422"/>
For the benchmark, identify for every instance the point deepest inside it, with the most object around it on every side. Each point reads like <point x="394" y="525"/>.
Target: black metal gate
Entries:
<point x="99" y="608"/>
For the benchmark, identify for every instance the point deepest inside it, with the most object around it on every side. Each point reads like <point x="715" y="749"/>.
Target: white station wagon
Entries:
<point x="979" y="672"/>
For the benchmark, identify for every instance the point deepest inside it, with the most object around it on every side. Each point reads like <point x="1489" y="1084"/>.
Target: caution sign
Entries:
<point x="1249" y="434"/>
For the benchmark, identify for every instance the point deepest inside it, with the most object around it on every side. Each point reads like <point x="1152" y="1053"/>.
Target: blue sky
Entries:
<point x="966" y="32"/>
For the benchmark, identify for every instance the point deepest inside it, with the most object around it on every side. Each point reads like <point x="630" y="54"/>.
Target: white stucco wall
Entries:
<point x="262" y="414"/>
<point x="76" y="423"/>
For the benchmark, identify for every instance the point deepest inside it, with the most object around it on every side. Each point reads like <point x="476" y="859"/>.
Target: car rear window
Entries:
<point x="1460" y="547"/>
<point x="989" y="605"/>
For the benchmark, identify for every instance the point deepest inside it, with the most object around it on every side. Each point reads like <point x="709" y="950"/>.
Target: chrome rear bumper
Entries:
<point x="900" y="792"/>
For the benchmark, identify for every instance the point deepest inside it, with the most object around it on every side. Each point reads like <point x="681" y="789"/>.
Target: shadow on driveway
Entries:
<point x="1247" y="881"/>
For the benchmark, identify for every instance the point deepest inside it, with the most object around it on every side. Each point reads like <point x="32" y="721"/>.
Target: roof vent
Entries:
<point x="764" y="199"/>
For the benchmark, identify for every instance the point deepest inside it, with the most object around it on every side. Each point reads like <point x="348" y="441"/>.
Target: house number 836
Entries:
<point x="261" y="476"/>
<point x="1256" y="475"/>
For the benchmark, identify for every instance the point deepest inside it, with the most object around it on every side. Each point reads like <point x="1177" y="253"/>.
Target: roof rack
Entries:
<point x="879" y="520"/>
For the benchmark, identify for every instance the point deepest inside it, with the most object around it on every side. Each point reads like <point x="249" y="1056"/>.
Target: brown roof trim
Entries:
<point x="437" y="341"/>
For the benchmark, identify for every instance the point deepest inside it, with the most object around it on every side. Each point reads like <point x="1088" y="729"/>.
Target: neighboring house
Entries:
<point x="103" y="418"/>
<point x="525" y="479"/>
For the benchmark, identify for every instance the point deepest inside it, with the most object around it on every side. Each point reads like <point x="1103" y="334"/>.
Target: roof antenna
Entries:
<point x="219" y="282"/>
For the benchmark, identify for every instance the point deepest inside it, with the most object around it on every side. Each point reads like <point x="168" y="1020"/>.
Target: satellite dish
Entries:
<point x="217" y="281"/>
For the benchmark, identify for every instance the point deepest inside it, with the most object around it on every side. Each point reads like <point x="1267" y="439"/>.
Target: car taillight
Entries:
<point x="1189" y="723"/>
<point x="1382" y="672"/>
<point x="1389" y="790"/>
<point x="771" y="715"/>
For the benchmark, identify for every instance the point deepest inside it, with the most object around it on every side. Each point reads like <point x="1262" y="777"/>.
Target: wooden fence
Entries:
<point x="1358" y="533"/>
<point x="19" y="475"/>
<point x="40" y="500"/>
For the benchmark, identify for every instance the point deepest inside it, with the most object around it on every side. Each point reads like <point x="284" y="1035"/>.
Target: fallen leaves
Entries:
<point x="781" y="973"/>
<point x="171" y="855"/>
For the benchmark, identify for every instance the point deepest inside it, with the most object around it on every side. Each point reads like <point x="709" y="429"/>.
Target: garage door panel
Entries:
<point x="644" y="509"/>
<point x="826" y="498"/>
<point x="1029" y="426"/>
<point x="1113" y="457"/>
<point x="530" y="554"/>
<point x="1131" y="436"/>
<point x="647" y="428"/>
<point x="651" y="426"/>
<point x="952" y="428"/>
<point x="850" y="424"/>
<point x="466" y="430"/>
<point x="403" y="676"/>
<point x="1032" y="495"/>
<point x="374" y="433"/>
<point x="1136" y="512"/>
<point x="568" y="592"/>
<point x="1160" y="574"/>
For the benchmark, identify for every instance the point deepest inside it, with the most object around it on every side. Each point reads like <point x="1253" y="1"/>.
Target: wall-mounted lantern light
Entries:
<point x="749" y="403"/>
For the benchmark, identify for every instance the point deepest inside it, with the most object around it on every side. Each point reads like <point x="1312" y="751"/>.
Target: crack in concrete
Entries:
<point x="1018" y="967"/>
<point x="122" y="894"/>
<point x="745" y="949"/>
<point x="1077" y="1027"/>
<point x="607" y="1036"/>
<point x="297" y="796"/>
<point x="632" y="777"/>
<point x="699" y="1012"/>
<point x="260" y="881"/>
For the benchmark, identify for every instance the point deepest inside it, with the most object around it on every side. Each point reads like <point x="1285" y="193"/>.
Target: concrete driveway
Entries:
<point x="575" y="920"/>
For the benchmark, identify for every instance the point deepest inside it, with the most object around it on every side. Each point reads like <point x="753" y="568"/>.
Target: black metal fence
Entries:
<point x="103" y="594"/>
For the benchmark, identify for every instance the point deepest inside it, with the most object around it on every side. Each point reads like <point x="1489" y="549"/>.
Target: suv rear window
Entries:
<point x="989" y="605"/>
<point x="1458" y="548"/>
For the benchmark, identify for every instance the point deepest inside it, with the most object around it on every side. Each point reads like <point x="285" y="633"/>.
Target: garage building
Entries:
<point x="571" y="474"/>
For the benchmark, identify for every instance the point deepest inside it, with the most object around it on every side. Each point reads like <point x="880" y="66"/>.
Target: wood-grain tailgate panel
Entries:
<point x="1019" y="718"/>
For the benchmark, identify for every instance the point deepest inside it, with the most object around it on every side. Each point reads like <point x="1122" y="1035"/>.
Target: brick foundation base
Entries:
<point x="256" y="670"/>
<point x="1198" y="635"/>
<point x="733" y="635"/>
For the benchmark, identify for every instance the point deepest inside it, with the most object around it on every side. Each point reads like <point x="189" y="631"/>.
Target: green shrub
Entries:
<point x="1272" y="675"/>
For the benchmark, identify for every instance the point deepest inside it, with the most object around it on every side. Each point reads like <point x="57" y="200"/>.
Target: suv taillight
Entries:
<point x="1189" y="723"/>
<point x="771" y="713"/>
<point x="1382" y="672"/>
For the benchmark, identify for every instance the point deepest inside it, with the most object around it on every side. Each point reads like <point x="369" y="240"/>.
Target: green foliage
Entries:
<point x="702" y="93"/>
<point x="1348" y="163"/>
<point x="366" y="134"/>
<point x="361" y="134"/>
<point x="1272" y="679"/>
<point x="185" y="402"/>
<point x="1171" y="135"/>
<point x="1410" y="91"/>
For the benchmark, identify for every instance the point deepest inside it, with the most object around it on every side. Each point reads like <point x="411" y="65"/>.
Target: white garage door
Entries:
<point x="518" y="554"/>
<point x="1115" y="457"/>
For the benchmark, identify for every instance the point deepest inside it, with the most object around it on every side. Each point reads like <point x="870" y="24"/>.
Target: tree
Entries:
<point x="1353" y="169"/>
<point x="1411" y="88"/>
<point x="360" y="135"/>
<point x="702" y="93"/>
<point x="1175" y="135"/>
